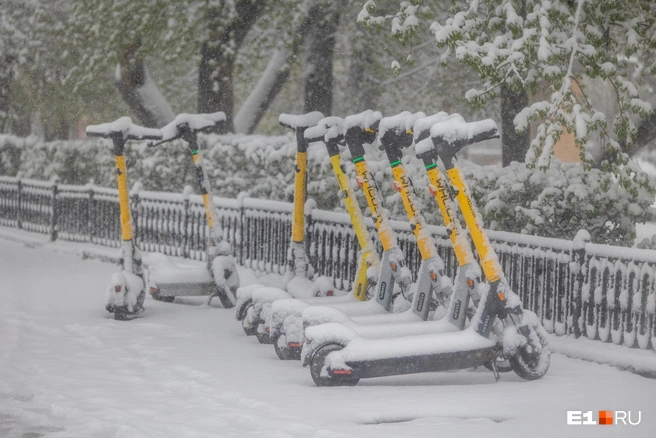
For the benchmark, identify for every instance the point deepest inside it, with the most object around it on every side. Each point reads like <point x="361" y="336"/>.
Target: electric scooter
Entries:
<point x="285" y="322"/>
<point x="255" y="302"/>
<point x="219" y="278"/>
<point x="126" y="292"/>
<point x="338" y="357"/>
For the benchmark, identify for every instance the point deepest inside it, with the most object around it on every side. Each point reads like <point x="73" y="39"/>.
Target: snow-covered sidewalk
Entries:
<point x="183" y="370"/>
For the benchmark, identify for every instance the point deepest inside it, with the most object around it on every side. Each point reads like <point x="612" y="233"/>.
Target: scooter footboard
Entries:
<point x="190" y="289"/>
<point x="412" y="354"/>
<point x="423" y="363"/>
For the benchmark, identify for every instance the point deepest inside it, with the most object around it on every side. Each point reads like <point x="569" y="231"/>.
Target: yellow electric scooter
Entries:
<point x="219" y="278"/>
<point x="126" y="293"/>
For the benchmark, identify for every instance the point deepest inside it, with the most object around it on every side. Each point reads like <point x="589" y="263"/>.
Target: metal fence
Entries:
<point x="600" y="291"/>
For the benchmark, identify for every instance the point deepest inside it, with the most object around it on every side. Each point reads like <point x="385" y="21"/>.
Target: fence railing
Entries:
<point x="603" y="292"/>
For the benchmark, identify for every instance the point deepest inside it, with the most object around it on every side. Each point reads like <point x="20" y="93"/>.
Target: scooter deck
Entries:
<point x="367" y="358"/>
<point x="401" y="328"/>
<point x="191" y="289"/>
<point x="456" y="360"/>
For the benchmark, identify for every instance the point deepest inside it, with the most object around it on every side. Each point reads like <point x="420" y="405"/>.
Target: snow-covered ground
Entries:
<point x="183" y="370"/>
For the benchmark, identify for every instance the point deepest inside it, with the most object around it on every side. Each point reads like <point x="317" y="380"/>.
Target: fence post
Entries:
<point x="19" y="203"/>
<point x="310" y="204"/>
<point x="54" y="218"/>
<point x="90" y="216"/>
<point x="185" y="226"/>
<point x="242" y="229"/>
<point x="579" y="259"/>
<point x="134" y="205"/>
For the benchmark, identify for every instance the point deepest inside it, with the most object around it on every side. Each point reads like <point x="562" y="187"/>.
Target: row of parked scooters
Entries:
<point x="345" y="336"/>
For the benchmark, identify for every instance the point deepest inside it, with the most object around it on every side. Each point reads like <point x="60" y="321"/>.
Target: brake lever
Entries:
<point x="152" y="145"/>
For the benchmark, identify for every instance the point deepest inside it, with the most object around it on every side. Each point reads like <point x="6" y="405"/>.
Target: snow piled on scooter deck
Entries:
<point x="67" y="369"/>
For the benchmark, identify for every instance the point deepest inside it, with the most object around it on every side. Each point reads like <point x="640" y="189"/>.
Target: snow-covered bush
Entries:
<point x="559" y="201"/>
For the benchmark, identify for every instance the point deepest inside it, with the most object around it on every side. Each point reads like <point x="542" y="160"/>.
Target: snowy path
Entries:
<point x="67" y="370"/>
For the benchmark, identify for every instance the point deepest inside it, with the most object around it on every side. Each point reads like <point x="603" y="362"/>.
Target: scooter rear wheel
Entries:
<point x="246" y="326"/>
<point x="319" y="362"/>
<point x="281" y="352"/>
<point x="532" y="361"/>
<point x="263" y="338"/>
<point x="248" y="329"/>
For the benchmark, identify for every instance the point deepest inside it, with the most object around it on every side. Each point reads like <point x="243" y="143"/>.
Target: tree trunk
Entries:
<point x="138" y="89"/>
<point x="323" y="19"/>
<point x="267" y="88"/>
<point x="514" y="144"/>
<point x="360" y="93"/>
<point x="218" y="54"/>
<point x="6" y="80"/>
<point x="646" y="133"/>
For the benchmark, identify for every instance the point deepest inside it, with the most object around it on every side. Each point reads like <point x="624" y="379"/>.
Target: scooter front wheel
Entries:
<point x="533" y="358"/>
<point x="318" y="364"/>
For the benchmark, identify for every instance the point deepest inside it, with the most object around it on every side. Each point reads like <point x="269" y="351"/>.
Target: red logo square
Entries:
<point x="606" y="418"/>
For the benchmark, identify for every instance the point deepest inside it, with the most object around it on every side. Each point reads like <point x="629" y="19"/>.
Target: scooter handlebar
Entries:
<point x="457" y="133"/>
<point x="300" y="121"/>
<point x="125" y="129"/>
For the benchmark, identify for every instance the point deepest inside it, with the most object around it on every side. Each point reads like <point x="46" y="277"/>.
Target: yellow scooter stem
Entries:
<point x="124" y="198"/>
<point x="417" y="222"/>
<point x="457" y="235"/>
<point x="385" y="233"/>
<point x="489" y="261"/>
<point x="369" y="255"/>
<point x="300" y="194"/>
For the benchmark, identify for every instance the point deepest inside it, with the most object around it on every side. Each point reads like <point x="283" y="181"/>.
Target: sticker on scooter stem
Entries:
<point x="456" y="309"/>
<point x="345" y="194"/>
<point x="383" y="288"/>
<point x="200" y="177"/>
<point x="420" y="301"/>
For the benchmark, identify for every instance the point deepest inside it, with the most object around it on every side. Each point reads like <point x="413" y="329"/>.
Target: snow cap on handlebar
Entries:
<point x="458" y="132"/>
<point x="124" y="127"/>
<point x="301" y="121"/>
<point x="450" y="136"/>
<point x="421" y="128"/>
<point x="328" y="129"/>
<point x="366" y="121"/>
<point x="395" y="131"/>
<point x="410" y="121"/>
<point x="361" y="129"/>
<point x="196" y="122"/>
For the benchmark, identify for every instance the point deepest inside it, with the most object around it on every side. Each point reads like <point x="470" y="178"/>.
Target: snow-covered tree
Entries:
<point x="547" y="45"/>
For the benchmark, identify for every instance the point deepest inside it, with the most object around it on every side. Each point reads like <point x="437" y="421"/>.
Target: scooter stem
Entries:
<point x="439" y="189"/>
<point x="216" y="234"/>
<point x="369" y="255"/>
<point x="489" y="261"/>
<point x="417" y="221"/>
<point x="124" y="202"/>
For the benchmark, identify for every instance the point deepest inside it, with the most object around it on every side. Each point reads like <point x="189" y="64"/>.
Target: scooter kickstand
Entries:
<point x="495" y="370"/>
<point x="209" y="299"/>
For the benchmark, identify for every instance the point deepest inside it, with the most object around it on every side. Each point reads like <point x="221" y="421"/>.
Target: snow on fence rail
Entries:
<point x="604" y="292"/>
